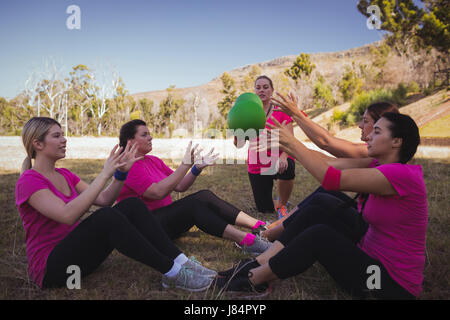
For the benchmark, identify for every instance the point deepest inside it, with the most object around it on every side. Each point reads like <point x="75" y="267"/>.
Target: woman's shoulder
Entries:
<point x="408" y="176"/>
<point x="402" y="167"/>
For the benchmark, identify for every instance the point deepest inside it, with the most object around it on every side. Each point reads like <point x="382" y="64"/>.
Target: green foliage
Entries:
<point x="413" y="87"/>
<point x="302" y="66"/>
<point x="337" y="115"/>
<point x="350" y="84"/>
<point x="323" y="94"/>
<point x="226" y="103"/>
<point x="366" y="98"/>
<point x="168" y="108"/>
<point x="408" y="24"/>
<point x="248" y="83"/>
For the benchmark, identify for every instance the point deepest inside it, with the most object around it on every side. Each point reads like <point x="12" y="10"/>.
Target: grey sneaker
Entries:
<point x="197" y="267"/>
<point x="188" y="280"/>
<point x="259" y="246"/>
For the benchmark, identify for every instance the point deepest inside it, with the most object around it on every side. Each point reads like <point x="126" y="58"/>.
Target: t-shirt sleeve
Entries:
<point x="164" y="168"/>
<point x="400" y="177"/>
<point x="28" y="184"/>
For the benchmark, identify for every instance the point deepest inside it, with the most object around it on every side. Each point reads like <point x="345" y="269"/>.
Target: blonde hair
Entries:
<point x="35" y="128"/>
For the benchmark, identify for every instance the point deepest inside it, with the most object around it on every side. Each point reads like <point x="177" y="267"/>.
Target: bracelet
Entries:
<point x="332" y="179"/>
<point x="196" y="171"/>
<point x="120" y="176"/>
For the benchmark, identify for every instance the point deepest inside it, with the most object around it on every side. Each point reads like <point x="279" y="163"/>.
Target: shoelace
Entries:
<point x="185" y="273"/>
<point x="192" y="258"/>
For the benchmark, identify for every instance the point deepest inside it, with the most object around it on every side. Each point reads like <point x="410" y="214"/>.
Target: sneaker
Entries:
<point x="197" y="267"/>
<point x="259" y="246"/>
<point x="242" y="267"/>
<point x="282" y="212"/>
<point x="188" y="280"/>
<point x="241" y="287"/>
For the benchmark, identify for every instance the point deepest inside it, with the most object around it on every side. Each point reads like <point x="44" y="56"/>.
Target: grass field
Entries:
<point x="121" y="278"/>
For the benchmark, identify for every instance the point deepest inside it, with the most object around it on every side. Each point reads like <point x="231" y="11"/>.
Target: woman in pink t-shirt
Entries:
<point x="151" y="180"/>
<point x="52" y="200"/>
<point x="265" y="167"/>
<point x="337" y="147"/>
<point x="387" y="258"/>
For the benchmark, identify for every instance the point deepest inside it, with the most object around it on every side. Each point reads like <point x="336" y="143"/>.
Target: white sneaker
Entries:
<point x="187" y="279"/>
<point x="197" y="267"/>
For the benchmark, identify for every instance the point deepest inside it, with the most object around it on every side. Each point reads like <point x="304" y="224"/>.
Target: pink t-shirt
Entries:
<point x="42" y="234"/>
<point x="141" y="176"/>
<point x="257" y="162"/>
<point x="397" y="226"/>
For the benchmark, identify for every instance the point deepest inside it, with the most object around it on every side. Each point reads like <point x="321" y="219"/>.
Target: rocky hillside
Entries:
<point x="330" y="65"/>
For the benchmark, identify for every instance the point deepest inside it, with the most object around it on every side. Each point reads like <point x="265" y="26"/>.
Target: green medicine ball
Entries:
<point x="247" y="113"/>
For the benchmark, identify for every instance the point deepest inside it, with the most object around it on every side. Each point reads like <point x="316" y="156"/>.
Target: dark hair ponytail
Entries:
<point x="404" y="127"/>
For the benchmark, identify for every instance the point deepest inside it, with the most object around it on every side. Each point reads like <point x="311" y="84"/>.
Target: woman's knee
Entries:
<point x="106" y="216"/>
<point x="204" y="194"/>
<point x="325" y="200"/>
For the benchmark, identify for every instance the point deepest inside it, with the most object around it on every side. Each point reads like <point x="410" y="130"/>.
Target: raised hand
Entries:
<point x="288" y="105"/>
<point x="278" y="135"/>
<point x="128" y="157"/>
<point x="206" y="160"/>
<point x="189" y="155"/>
<point x="113" y="161"/>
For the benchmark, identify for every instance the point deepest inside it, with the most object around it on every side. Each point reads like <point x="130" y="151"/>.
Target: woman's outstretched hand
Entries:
<point x="189" y="155"/>
<point x="128" y="157"/>
<point x="209" y="159"/>
<point x="288" y="105"/>
<point x="122" y="161"/>
<point x="278" y="135"/>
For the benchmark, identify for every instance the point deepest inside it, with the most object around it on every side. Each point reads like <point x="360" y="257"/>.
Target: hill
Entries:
<point x="430" y="113"/>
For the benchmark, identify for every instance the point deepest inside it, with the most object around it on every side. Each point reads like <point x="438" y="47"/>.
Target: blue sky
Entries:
<point x="157" y="43"/>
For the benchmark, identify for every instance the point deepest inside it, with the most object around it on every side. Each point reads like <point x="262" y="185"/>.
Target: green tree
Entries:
<point x="168" y="108"/>
<point x="302" y="66"/>
<point x="226" y="103"/>
<point x="248" y="83"/>
<point x="350" y="84"/>
<point x="323" y="94"/>
<point x="408" y="24"/>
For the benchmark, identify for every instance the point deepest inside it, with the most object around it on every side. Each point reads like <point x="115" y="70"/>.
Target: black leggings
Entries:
<point x="320" y="233"/>
<point x="128" y="227"/>
<point x="262" y="186"/>
<point x="202" y="209"/>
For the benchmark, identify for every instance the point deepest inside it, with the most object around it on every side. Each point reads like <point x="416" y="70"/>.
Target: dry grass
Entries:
<point x="121" y="278"/>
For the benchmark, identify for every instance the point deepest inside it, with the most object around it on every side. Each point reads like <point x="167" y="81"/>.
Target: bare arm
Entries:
<point x="161" y="189"/>
<point x="367" y="180"/>
<point x="108" y="196"/>
<point x="319" y="136"/>
<point x="48" y="204"/>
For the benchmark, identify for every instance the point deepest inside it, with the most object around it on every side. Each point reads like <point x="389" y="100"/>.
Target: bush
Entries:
<point x="337" y="116"/>
<point x="366" y="98"/>
<point x="323" y="94"/>
<point x="413" y="87"/>
<point x="399" y="94"/>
